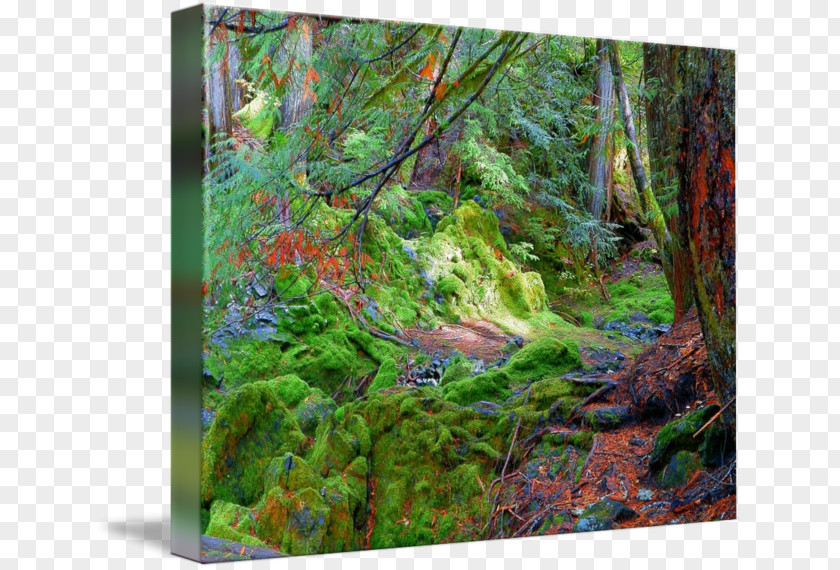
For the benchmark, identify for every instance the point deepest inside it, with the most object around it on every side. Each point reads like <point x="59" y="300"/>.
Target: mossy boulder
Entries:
<point x="312" y="411"/>
<point x="292" y="390"/>
<point x="338" y="443"/>
<point x="428" y="469"/>
<point x="679" y="469"/>
<point x="233" y="522"/>
<point x="474" y="274"/>
<point x="718" y="445"/>
<point x="295" y="523"/>
<point x="471" y="220"/>
<point x="386" y="376"/>
<point x="677" y="436"/>
<point x="251" y="427"/>
<point x="292" y="473"/>
<point x="492" y="386"/>
<point x="603" y="516"/>
<point x="547" y="356"/>
<point x="458" y="369"/>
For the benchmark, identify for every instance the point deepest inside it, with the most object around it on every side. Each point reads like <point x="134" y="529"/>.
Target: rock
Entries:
<point x="604" y="419"/>
<point x="479" y="368"/>
<point x="677" y="436"/>
<point x="518" y="341"/>
<point x="221" y="550"/>
<point x="718" y="445"/>
<point x="679" y="470"/>
<point x="644" y="495"/>
<point x="603" y="516"/>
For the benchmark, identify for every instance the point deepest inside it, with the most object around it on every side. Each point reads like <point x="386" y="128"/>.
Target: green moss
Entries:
<point x="438" y="202"/>
<point x="470" y="220"/>
<point x="679" y="469"/>
<point x="290" y="472"/>
<point x="312" y="411"/>
<point x="292" y="390"/>
<point x="403" y="211"/>
<point x="547" y="356"/>
<point x="386" y="376"/>
<point x="232" y="522"/>
<point x="250" y="428"/>
<point x="677" y="436"/>
<point x="647" y="295"/>
<point x="492" y="386"/>
<point x="458" y="369"/>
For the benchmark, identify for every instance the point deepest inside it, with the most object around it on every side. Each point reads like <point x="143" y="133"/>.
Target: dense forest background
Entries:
<point x="462" y="284"/>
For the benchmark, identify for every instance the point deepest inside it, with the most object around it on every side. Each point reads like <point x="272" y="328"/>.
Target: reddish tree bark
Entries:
<point x="706" y="169"/>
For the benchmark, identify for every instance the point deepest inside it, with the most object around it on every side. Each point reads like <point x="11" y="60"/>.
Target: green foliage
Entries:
<point x="647" y="295"/>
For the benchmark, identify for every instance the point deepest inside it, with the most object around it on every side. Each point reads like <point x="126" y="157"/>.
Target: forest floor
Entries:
<point x="480" y="339"/>
<point x="617" y="465"/>
<point x="619" y="430"/>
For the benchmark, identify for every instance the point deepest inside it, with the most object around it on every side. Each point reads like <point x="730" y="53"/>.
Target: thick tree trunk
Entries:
<point x="223" y="95"/>
<point x="663" y="115"/>
<point x="295" y="103"/>
<point x="655" y="219"/>
<point x="706" y="167"/>
<point x="601" y="148"/>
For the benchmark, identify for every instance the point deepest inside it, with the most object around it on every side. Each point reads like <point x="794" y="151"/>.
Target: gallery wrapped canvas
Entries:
<point x="436" y="284"/>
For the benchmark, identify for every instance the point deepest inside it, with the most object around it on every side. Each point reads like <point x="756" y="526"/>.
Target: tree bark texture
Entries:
<point x="663" y="115"/>
<point x="601" y="147"/>
<point x="706" y="167"/>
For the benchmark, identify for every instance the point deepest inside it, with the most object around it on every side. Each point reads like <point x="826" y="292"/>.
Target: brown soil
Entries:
<point x="481" y="339"/>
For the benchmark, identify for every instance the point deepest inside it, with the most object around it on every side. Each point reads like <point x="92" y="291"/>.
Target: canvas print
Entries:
<point x="460" y="284"/>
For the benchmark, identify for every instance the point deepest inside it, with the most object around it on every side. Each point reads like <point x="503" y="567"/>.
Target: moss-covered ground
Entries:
<point x="321" y="440"/>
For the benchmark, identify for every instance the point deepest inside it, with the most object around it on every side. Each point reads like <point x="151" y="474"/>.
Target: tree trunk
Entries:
<point x="223" y="95"/>
<point x="706" y="167"/>
<point x="299" y="97"/>
<point x="600" y="148"/>
<point x="652" y="212"/>
<point x="663" y="115"/>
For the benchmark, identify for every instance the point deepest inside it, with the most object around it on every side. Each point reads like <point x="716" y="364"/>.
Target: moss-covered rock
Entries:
<point x="547" y="356"/>
<point x="492" y="386"/>
<point x="718" y="445"/>
<point x="251" y="427"/>
<point x="679" y="469"/>
<point x="233" y="522"/>
<point x="312" y="411"/>
<point x="458" y="369"/>
<point x="473" y="272"/>
<point x="603" y="516"/>
<point x="292" y="390"/>
<point x="677" y="436"/>
<point x="292" y="473"/>
<point x="386" y="376"/>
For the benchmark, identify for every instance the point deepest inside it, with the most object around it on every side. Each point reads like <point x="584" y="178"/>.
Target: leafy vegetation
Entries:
<point x="407" y="291"/>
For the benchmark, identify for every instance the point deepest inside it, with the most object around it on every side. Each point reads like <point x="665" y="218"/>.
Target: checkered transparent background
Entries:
<point x="84" y="284"/>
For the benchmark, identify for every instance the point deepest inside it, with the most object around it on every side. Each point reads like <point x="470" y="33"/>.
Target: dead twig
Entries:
<point x="714" y="417"/>
<point x="591" y="398"/>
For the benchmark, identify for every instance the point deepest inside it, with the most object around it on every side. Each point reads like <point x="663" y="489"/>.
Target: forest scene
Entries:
<point x="461" y="284"/>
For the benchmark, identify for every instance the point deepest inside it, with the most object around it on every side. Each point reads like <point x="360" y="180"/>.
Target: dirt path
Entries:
<point x="481" y="339"/>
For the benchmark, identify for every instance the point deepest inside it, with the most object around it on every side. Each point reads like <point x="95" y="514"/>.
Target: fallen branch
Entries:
<point x="591" y="398"/>
<point x="714" y="417"/>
